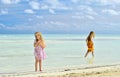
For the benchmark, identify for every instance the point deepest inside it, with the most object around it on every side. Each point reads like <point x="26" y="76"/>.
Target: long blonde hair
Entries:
<point x="41" y="38"/>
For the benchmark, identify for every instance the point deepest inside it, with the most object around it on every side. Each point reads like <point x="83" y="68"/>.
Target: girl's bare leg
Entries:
<point x="86" y="53"/>
<point x="40" y="65"/>
<point x="92" y="54"/>
<point x="36" y="64"/>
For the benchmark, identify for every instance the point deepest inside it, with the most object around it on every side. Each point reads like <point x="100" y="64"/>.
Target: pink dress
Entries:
<point x="39" y="53"/>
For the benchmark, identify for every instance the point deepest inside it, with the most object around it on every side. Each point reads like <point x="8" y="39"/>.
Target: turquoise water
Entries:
<point x="16" y="51"/>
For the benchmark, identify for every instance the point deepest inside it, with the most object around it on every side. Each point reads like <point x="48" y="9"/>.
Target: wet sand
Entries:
<point x="94" y="71"/>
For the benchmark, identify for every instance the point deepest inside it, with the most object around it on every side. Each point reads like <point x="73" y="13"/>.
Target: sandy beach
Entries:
<point x="94" y="71"/>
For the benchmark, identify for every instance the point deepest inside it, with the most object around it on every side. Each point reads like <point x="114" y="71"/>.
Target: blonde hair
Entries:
<point x="41" y="38"/>
<point x="38" y="33"/>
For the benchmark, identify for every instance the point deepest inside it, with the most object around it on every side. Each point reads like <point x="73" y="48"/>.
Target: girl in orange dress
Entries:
<point x="90" y="43"/>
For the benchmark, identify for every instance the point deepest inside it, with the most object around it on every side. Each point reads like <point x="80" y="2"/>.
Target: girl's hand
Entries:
<point x="37" y="43"/>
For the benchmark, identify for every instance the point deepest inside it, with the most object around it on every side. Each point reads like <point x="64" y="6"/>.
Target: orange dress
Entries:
<point x="90" y="46"/>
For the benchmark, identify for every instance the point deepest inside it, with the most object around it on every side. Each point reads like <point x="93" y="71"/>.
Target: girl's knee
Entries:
<point x="36" y="60"/>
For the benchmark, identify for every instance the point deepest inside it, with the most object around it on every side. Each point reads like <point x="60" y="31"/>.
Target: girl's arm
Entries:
<point x="43" y="45"/>
<point x="36" y="43"/>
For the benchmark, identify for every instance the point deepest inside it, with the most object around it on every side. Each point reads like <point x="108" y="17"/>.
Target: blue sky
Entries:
<point x="59" y="16"/>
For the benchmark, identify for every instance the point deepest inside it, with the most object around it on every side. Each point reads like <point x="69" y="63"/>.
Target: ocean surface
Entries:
<point x="63" y="50"/>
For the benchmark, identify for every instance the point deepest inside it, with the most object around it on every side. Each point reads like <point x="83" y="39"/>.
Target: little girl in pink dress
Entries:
<point x="39" y="53"/>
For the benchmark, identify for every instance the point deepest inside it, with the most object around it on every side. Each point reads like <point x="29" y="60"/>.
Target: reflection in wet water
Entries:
<point x="90" y="60"/>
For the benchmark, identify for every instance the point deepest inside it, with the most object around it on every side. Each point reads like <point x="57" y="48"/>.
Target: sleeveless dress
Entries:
<point x="39" y="53"/>
<point x="90" y="46"/>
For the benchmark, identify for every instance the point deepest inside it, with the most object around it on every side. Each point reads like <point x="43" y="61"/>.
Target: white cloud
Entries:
<point x="87" y="9"/>
<point x="29" y="11"/>
<point x="28" y="0"/>
<point x="91" y="11"/>
<point x="78" y="17"/>
<point x="55" y="4"/>
<point x="3" y="11"/>
<point x="46" y="23"/>
<point x="74" y="1"/>
<point x="19" y="27"/>
<point x="105" y="2"/>
<point x="10" y="1"/>
<point x="44" y="7"/>
<point x="6" y="1"/>
<point x="83" y="17"/>
<point x="40" y="17"/>
<point x="57" y="23"/>
<point x="110" y="11"/>
<point x="109" y="1"/>
<point x="30" y="19"/>
<point x="2" y="25"/>
<point x="90" y="17"/>
<point x="35" y="5"/>
<point x="51" y="11"/>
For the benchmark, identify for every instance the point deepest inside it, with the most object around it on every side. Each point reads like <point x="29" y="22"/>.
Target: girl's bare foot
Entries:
<point x="40" y="70"/>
